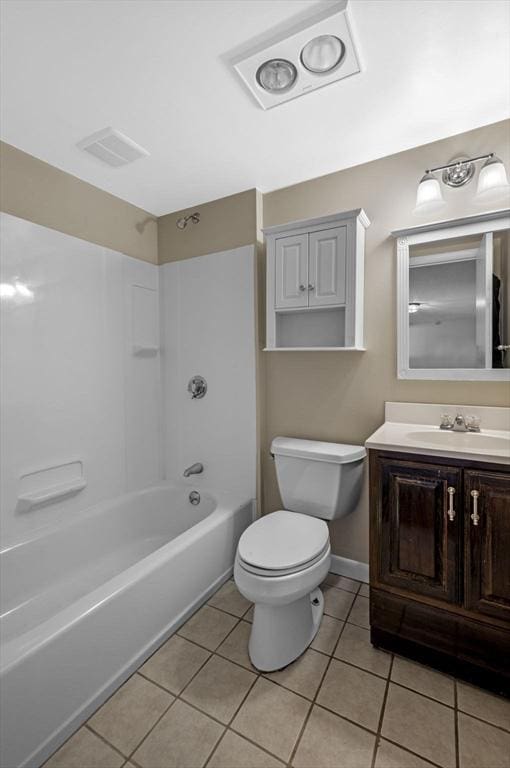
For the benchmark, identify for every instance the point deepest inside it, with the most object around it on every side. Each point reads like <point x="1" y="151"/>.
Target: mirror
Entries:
<point x="454" y="305"/>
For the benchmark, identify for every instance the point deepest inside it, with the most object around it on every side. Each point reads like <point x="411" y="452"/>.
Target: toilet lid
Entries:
<point x="283" y="540"/>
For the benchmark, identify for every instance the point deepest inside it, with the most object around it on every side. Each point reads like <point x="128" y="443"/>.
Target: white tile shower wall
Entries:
<point x="208" y="328"/>
<point x="71" y="389"/>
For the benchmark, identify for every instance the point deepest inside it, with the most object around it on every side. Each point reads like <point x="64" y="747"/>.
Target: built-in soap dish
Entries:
<point x="50" y="484"/>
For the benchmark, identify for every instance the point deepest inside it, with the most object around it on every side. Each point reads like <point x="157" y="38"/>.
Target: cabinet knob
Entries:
<point x="302" y="288"/>
<point x="451" y="493"/>
<point x="475" y="517"/>
<point x="310" y="287"/>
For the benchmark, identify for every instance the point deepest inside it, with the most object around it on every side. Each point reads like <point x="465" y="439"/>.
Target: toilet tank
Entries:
<point x="319" y="479"/>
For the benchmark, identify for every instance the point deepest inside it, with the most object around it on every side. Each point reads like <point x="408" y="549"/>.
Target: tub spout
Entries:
<point x="195" y="469"/>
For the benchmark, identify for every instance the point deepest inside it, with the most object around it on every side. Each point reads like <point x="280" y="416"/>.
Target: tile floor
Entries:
<point x="198" y="702"/>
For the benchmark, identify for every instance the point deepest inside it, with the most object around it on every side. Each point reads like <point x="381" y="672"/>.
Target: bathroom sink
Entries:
<point x="461" y="440"/>
<point x="413" y="428"/>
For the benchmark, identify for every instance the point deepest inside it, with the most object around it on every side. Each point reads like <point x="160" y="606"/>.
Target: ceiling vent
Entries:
<point x="309" y="54"/>
<point x="112" y="147"/>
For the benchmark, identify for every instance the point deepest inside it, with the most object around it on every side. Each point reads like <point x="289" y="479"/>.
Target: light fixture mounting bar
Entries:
<point x="463" y="161"/>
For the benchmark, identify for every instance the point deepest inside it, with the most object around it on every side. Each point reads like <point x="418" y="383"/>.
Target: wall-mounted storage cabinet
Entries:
<point x="315" y="283"/>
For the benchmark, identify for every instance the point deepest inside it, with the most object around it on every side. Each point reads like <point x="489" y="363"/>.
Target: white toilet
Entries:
<point x="283" y="557"/>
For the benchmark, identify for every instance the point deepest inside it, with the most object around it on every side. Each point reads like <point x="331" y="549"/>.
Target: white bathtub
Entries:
<point x="83" y="605"/>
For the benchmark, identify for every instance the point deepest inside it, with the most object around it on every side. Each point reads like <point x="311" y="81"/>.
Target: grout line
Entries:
<point x="166" y="710"/>
<point x="224" y="610"/>
<point x="259" y="746"/>
<point x="221" y="641"/>
<point x="486" y="722"/>
<point x="410" y="752"/>
<point x="456" y="715"/>
<point x="130" y="756"/>
<point x="314" y="700"/>
<point x="215" y="747"/>
<point x="425" y="695"/>
<point x="102" y="738"/>
<point x="381" y="714"/>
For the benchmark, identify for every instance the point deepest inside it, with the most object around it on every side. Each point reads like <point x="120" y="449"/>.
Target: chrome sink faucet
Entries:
<point x="460" y="423"/>
<point x="195" y="469"/>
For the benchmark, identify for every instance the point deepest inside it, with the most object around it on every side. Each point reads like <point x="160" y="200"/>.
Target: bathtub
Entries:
<point x="84" y="604"/>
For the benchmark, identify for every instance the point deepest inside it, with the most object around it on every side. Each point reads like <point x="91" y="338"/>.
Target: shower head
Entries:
<point x="182" y="223"/>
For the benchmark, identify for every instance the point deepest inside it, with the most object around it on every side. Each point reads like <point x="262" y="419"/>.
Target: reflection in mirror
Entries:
<point x="501" y="300"/>
<point x="459" y="303"/>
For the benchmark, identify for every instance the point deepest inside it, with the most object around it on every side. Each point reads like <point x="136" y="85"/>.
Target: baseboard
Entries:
<point x="353" y="569"/>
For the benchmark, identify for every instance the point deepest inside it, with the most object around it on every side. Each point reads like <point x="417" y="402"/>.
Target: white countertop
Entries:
<point x="422" y="434"/>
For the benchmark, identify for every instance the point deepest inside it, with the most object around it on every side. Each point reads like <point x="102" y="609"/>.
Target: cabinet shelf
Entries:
<point x="314" y="349"/>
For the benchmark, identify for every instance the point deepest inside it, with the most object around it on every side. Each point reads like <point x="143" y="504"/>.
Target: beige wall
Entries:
<point x="340" y="396"/>
<point x="34" y="190"/>
<point x="229" y="222"/>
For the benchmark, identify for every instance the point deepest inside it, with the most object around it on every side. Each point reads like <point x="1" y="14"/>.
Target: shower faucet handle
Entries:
<point x="197" y="387"/>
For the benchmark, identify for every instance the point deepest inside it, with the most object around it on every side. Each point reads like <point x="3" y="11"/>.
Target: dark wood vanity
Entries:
<point x="440" y="563"/>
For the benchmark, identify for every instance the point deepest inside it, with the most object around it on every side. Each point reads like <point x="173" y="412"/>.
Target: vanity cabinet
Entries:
<point x="440" y="563"/>
<point x="419" y="545"/>
<point x="315" y="273"/>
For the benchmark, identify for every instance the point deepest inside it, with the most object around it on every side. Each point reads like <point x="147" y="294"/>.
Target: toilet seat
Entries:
<point x="282" y="543"/>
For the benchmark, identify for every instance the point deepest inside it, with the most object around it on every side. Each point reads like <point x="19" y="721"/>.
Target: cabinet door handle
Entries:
<point x="475" y="517"/>
<point x="310" y="287"/>
<point x="302" y="287"/>
<point x="451" y="493"/>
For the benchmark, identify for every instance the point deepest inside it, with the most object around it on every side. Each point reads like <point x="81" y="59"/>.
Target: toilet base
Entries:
<point x="281" y="633"/>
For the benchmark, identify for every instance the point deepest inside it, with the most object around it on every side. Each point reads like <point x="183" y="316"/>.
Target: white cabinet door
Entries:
<point x="291" y="272"/>
<point x="327" y="275"/>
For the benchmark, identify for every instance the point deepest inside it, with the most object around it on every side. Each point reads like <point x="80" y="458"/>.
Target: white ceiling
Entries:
<point x="156" y="71"/>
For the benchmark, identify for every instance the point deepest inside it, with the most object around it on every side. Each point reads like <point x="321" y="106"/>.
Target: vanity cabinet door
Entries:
<point x="487" y="543"/>
<point x="291" y="262"/>
<point x="418" y="541"/>
<point x="327" y="267"/>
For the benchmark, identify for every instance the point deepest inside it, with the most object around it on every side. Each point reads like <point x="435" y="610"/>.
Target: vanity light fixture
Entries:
<point x="429" y="197"/>
<point x="492" y="186"/>
<point x="492" y="181"/>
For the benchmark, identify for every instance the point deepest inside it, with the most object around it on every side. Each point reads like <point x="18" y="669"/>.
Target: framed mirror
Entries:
<point x="453" y="316"/>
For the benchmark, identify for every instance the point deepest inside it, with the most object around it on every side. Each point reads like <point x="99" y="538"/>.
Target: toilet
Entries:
<point x="282" y="557"/>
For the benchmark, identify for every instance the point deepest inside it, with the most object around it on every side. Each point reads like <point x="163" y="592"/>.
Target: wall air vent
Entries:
<point x="308" y="54"/>
<point x="112" y="147"/>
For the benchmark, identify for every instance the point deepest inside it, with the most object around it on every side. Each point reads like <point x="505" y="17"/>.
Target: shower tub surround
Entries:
<point x="84" y="604"/>
<point x="103" y="554"/>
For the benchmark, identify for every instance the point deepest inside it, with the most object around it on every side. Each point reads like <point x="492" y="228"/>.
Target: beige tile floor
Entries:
<point x="199" y="702"/>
